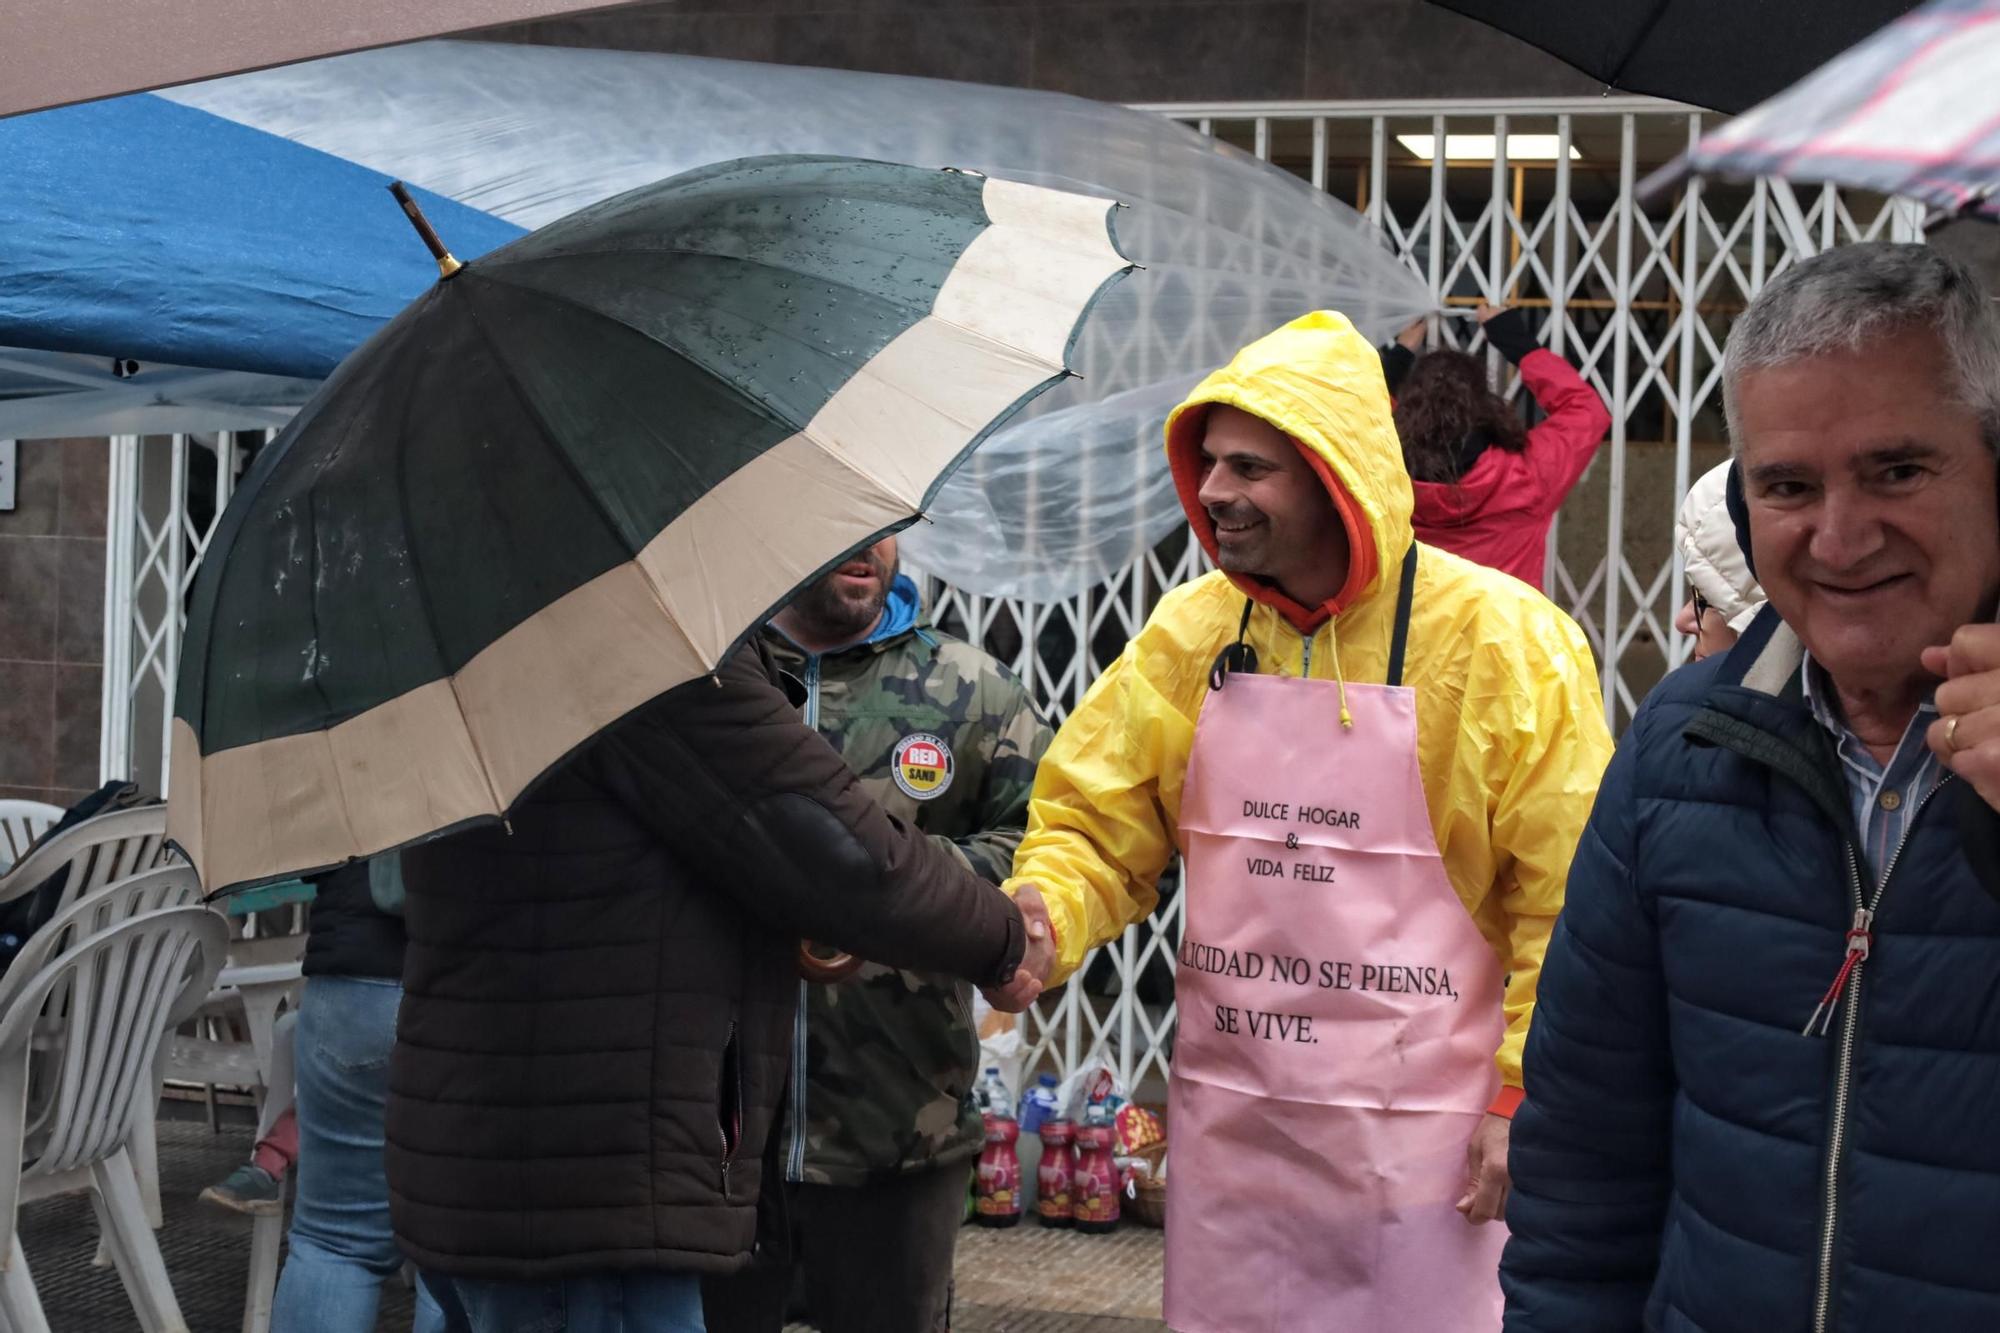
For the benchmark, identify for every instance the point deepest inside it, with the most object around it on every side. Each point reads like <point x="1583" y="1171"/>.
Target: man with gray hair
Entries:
<point x="1763" y="1084"/>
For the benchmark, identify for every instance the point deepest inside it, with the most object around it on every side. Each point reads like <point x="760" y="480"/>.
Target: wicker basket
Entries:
<point x="1148" y="1206"/>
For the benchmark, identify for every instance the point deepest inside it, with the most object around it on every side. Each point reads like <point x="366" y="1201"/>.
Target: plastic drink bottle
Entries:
<point x="1000" y="1171"/>
<point x="1094" y="1190"/>
<point x="1053" y="1187"/>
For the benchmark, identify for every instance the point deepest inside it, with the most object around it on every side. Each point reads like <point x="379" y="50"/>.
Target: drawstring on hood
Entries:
<point x="1240" y="656"/>
<point x="1333" y="642"/>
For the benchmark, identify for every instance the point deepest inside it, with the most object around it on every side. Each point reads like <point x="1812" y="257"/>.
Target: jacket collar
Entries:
<point x="900" y="612"/>
<point x="1768" y="660"/>
<point x="1756" y="706"/>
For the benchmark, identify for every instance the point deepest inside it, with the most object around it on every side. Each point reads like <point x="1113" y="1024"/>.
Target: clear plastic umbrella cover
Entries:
<point x="1075" y="488"/>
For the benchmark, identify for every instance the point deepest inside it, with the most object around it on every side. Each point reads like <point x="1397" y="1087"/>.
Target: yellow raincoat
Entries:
<point x="1510" y="725"/>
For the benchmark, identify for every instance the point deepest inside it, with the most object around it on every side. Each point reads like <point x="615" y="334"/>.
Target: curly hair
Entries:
<point x="1443" y="406"/>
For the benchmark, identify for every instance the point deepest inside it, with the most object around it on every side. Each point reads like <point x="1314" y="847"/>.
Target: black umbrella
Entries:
<point x="1724" y="54"/>
<point x="580" y="469"/>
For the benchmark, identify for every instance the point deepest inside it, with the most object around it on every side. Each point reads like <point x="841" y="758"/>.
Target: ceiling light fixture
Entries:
<point x="1479" y="147"/>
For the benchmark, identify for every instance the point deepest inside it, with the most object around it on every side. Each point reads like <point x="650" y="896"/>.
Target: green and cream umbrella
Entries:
<point x="580" y="470"/>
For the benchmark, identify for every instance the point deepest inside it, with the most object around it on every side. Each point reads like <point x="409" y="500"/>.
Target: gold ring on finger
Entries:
<point x="1951" y="734"/>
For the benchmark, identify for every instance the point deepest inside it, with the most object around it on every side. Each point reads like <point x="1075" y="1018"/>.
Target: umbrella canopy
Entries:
<point x="1908" y="112"/>
<point x="577" y="472"/>
<point x="1724" y="54"/>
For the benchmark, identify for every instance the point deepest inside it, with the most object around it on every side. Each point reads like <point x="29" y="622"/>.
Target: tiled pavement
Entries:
<point x="1026" y="1280"/>
<point x="1022" y="1280"/>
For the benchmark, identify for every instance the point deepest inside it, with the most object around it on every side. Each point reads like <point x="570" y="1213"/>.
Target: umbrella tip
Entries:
<point x="446" y="264"/>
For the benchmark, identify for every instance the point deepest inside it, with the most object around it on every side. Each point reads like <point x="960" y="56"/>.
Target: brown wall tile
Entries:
<point x="28" y="596"/>
<point x="37" y="490"/>
<point x="60" y="797"/>
<point x="86" y="478"/>
<point x="78" y="701"/>
<point x="80" y="599"/>
<point x="27" y="723"/>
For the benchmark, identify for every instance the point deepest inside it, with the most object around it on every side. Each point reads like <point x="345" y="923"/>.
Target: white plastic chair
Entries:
<point x="98" y="852"/>
<point x="118" y="992"/>
<point x="149" y="891"/>
<point x="21" y="822"/>
<point x="168" y="886"/>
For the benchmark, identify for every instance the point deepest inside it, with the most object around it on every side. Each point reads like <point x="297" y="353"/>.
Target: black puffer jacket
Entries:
<point x="593" y="1038"/>
<point x="349" y="935"/>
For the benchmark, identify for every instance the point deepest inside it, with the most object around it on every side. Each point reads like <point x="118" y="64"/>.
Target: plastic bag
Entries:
<point x="1000" y="1045"/>
<point x="1093" y="1080"/>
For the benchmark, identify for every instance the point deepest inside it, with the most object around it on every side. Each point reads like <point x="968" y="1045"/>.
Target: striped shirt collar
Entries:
<point x="1883" y="797"/>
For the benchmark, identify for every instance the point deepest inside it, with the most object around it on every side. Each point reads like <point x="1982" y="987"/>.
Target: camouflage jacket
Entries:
<point x="947" y="739"/>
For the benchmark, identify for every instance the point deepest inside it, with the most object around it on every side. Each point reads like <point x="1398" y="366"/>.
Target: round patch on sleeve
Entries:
<point x="921" y="766"/>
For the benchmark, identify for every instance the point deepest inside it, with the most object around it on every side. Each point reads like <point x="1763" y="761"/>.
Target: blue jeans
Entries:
<point x="342" y="1249"/>
<point x="602" y="1303"/>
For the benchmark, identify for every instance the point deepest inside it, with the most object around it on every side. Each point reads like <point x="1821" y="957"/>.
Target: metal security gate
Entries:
<point x="167" y="491"/>
<point x="1529" y="202"/>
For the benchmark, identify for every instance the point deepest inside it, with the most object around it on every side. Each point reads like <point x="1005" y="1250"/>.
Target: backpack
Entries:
<point x="23" y="916"/>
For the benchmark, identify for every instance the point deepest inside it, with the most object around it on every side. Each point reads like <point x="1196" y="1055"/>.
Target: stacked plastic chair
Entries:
<point x="84" y="1011"/>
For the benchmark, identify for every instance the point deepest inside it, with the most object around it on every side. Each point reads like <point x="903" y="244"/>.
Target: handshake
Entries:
<point x="1038" y="959"/>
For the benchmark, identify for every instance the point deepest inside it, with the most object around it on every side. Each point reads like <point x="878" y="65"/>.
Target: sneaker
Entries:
<point x="249" y="1189"/>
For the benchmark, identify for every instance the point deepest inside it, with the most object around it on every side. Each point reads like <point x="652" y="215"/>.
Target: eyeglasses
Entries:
<point x="1701" y="607"/>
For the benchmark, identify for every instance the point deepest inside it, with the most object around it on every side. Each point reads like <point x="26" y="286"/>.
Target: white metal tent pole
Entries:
<point x="1437" y="220"/>
<point x="1684" y="417"/>
<point x="1378" y="168"/>
<point x="1760" y="221"/>
<point x="1496" y="234"/>
<point x="1128" y="960"/>
<point x="1559" y="269"/>
<point x="1799" y="233"/>
<point x="114" y="742"/>
<point x="1072" y="1008"/>
<point x="1558" y="322"/>
<point x="1908" y="223"/>
<point x="173" y="619"/>
<point x="1614" y="542"/>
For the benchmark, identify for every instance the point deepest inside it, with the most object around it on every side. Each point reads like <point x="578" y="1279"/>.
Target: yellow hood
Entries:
<point x="1320" y="382"/>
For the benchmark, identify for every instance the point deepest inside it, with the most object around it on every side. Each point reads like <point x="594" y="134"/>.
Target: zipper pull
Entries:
<point x="1859" y="937"/>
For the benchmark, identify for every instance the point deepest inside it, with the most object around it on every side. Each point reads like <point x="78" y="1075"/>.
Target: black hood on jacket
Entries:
<point x="1739" y="513"/>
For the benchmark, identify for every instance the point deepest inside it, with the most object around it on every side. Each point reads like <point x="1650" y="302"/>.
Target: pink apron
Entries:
<point x="1339" y="1013"/>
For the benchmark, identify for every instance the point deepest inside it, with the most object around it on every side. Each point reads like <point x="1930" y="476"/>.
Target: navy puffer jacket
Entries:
<point x="1686" y="1160"/>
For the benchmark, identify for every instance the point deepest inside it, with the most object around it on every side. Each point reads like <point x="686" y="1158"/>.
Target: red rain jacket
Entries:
<point x="1499" y="512"/>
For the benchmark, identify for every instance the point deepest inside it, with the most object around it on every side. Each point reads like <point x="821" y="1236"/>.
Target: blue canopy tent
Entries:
<point x="156" y="256"/>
